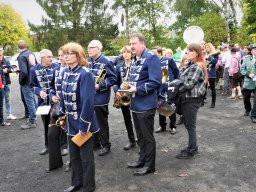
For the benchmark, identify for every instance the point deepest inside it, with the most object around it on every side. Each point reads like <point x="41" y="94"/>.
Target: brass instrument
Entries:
<point x="211" y="55"/>
<point x="57" y="123"/>
<point x="164" y="75"/>
<point x="101" y="77"/>
<point x="125" y="96"/>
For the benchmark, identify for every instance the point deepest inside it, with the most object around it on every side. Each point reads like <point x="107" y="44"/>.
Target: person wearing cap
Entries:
<point x="101" y="67"/>
<point x="145" y="79"/>
<point x="249" y="71"/>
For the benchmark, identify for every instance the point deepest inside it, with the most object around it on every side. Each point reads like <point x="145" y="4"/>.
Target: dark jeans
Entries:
<point x="162" y="121"/>
<point x="30" y="102"/>
<point x="24" y="102"/>
<point x="246" y="97"/>
<point x="102" y="136"/>
<point x="1" y="106"/>
<point x="83" y="166"/>
<point x="190" y="115"/>
<point x="212" y="87"/>
<point x="144" y="126"/>
<point x="128" y="123"/>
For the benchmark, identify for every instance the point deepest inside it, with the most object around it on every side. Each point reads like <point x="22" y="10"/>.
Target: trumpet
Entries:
<point x="101" y="77"/>
<point x="125" y="96"/>
<point x="57" y="123"/>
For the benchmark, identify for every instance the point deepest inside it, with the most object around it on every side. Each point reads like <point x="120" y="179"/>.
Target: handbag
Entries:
<point x="238" y="74"/>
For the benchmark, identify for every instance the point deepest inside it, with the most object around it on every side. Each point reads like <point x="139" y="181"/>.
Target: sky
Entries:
<point x="27" y="9"/>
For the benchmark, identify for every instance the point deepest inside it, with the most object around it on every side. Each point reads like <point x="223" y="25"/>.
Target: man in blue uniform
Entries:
<point x="26" y="60"/>
<point x="105" y="77"/>
<point x="41" y="77"/>
<point x="145" y="79"/>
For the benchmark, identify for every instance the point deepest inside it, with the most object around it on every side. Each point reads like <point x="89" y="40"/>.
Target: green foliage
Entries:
<point x="12" y="28"/>
<point x="186" y="10"/>
<point x="249" y="17"/>
<point x="76" y="20"/>
<point x="213" y="26"/>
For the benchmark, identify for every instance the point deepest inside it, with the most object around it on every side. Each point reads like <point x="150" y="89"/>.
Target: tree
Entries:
<point x="76" y="20"/>
<point x="12" y="27"/>
<point x="187" y="9"/>
<point x="249" y="15"/>
<point x="149" y="15"/>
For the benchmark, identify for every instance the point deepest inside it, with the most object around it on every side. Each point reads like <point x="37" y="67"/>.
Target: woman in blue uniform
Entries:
<point x="77" y="103"/>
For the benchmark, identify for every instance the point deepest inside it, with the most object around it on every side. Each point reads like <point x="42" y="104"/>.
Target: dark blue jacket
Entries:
<point x="24" y="67"/>
<point x="145" y="74"/>
<point x="6" y="77"/>
<point x="121" y="70"/>
<point x="211" y="63"/>
<point x="77" y="100"/>
<point x="40" y="80"/>
<point x="173" y="73"/>
<point x="102" y="96"/>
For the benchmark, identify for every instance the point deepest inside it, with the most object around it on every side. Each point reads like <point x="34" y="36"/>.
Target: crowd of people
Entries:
<point x="75" y="94"/>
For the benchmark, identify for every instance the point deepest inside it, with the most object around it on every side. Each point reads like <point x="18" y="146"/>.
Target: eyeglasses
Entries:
<point x="92" y="47"/>
<point x="68" y="54"/>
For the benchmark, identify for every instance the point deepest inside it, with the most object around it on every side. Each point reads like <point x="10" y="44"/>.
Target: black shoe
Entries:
<point x="104" y="151"/>
<point x="44" y="151"/>
<point x="52" y="169"/>
<point x="246" y="113"/>
<point x="72" y="188"/>
<point x="144" y="171"/>
<point x="187" y="154"/>
<point x="253" y="119"/>
<point x="212" y="105"/>
<point x="173" y="131"/>
<point x="136" y="164"/>
<point x="160" y="129"/>
<point x="5" y="124"/>
<point x="129" y="146"/>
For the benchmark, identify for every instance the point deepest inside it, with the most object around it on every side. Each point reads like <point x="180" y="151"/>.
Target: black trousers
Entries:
<point x="246" y="98"/>
<point x="212" y="87"/>
<point x="55" y="133"/>
<point x="83" y="167"/>
<point x="162" y="121"/>
<point x="46" y="121"/>
<point x="190" y="115"/>
<point x="128" y="123"/>
<point x="102" y="136"/>
<point x="144" y="126"/>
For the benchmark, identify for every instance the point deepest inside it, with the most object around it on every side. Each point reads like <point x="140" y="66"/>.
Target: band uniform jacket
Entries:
<point x="121" y="71"/>
<point x="173" y="73"/>
<point x="102" y="96"/>
<point x="77" y="100"/>
<point x="40" y="80"/>
<point x="145" y="75"/>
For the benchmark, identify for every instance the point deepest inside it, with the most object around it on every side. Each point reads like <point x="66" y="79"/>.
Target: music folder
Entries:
<point x="79" y="139"/>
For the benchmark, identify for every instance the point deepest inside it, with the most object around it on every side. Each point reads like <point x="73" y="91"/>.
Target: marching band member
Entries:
<point x="57" y="137"/>
<point x="145" y="79"/>
<point x="41" y="77"/>
<point x="122" y="72"/>
<point x="105" y="77"/>
<point x="77" y="103"/>
<point x="212" y="59"/>
<point x="173" y="73"/>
